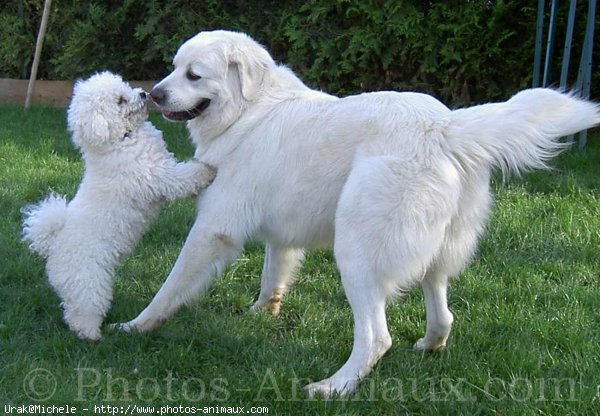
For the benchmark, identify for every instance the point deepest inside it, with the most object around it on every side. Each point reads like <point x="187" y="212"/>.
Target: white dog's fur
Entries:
<point x="128" y="172"/>
<point x="396" y="182"/>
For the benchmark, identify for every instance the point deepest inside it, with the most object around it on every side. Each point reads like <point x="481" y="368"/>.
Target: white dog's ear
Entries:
<point x="252" y="66"/>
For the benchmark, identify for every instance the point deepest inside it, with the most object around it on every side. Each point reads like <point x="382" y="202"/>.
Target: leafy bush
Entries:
<point x="462" y="52"/>
<point x="454" y="52"/>
<point x="17" y="39"/>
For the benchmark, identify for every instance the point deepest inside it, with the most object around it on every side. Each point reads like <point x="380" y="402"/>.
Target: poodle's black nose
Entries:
<point x="143" y="95"/>
<point x="158" y="95"/>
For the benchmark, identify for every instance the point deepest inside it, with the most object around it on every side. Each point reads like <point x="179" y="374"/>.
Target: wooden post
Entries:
<point x="38" y="52"/>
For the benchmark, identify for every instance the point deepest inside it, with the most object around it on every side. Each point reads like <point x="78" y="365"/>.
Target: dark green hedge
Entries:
<point x="461" y="51"/>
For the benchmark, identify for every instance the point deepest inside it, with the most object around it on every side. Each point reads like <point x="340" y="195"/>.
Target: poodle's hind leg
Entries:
<point x="86" y="294"/>
<point x="85" y="322"/>
<point x="279" y="270"/>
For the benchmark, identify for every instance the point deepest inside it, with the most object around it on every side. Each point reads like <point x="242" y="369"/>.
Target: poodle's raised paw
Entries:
<point x="206" y="174"/>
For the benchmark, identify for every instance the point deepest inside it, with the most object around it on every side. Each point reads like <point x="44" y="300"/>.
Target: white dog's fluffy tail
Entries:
<point x="519" y="134"/>
<point x="42" y="223"/>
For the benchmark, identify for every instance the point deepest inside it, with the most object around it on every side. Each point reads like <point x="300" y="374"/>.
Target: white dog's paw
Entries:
<point x="122" y="326"/>
<point x="429" y="346"/>
<point x="272" y="305"/>
<point x="256" y="308"/>
<point x="331" y="387"/>
<point x="139" y="324"/>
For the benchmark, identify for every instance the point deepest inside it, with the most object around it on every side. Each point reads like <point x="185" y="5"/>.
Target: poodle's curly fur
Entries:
<point x="128" y="172"/>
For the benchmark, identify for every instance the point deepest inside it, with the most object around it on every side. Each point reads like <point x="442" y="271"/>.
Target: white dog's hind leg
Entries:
<point x="279" y="269"/>
<point x="204" y="256"/>
<point x="459" y="245"/>
<point x="371" y="336"/>
<point x="439" y="317"/>
<point x="389" y="226"/>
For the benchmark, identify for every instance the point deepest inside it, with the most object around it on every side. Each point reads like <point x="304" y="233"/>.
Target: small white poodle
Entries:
<point x="128" y="172"/>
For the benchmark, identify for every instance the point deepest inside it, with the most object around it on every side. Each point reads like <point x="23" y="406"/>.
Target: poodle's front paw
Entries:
<point x="206" y="175"/>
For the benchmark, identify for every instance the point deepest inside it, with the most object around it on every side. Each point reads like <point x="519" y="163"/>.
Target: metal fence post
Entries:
<point x="539" y="33"/>
<point x="550" y="43"/>
<point x="584" y="78"/>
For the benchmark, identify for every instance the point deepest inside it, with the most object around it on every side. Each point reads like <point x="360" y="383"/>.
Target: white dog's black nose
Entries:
<point x="158" y="95"/>
<point x="143" y="95"/>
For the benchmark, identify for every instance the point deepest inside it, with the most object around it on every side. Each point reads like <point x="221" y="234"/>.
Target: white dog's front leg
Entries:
<point x="204" y="256"/>
<point x="279" y="270"/>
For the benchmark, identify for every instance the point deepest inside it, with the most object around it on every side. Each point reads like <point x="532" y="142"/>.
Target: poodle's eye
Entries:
<point x="192" y="77"/>
<point x="122" y="100"/>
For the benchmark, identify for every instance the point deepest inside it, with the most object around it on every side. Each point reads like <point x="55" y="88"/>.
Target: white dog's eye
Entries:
<point x="122" y="100"/>
<point x="192" y="77"/>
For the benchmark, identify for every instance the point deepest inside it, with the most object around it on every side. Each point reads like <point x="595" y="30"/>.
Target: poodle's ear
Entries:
<point x="252" y="65"/>
<point x="88" y="129"/>
<point x="99" y="129"/>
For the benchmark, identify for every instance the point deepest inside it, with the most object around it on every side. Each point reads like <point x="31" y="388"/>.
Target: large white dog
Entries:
<point x="396" y="182"/>
<point x="128" y="173"/>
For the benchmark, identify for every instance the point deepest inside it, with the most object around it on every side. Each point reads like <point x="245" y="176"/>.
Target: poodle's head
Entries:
<point x="104" y="110"/>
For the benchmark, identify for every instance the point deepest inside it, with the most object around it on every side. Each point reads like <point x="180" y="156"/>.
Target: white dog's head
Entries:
<point x="104" y="110"/>
<point x="215" y="74"/>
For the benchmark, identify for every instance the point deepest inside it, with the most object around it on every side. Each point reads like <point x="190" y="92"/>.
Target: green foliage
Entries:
<point x="17" y="36"/>
<point x="456" y="52"/>
<point x="461" y="52"/>
<point x="139" y="36"/>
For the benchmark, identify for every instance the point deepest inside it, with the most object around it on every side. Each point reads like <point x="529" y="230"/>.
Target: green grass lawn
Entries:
<point x="527" y="311"/>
